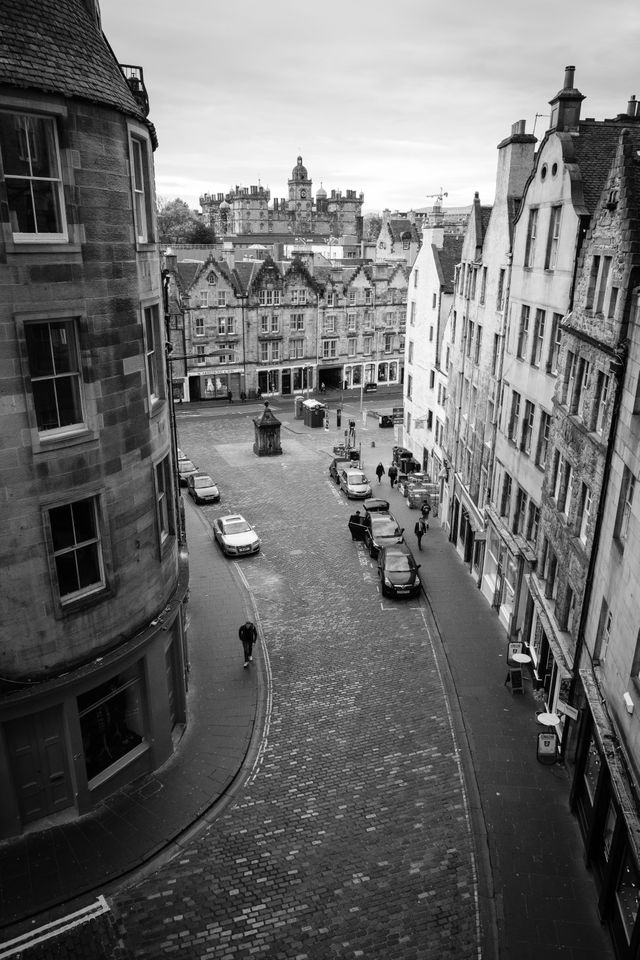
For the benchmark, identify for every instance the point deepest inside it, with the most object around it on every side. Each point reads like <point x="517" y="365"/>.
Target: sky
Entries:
<point x="401" y="100"/>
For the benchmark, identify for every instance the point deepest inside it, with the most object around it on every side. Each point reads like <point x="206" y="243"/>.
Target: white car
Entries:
<point x="201" y="487"/>
<point x="354" y="483"/>
<point x="186" y="468"/>
<point x="235" y="536"/>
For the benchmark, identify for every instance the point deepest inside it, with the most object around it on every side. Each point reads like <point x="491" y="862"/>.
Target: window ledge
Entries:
<point x="46" y="444"/>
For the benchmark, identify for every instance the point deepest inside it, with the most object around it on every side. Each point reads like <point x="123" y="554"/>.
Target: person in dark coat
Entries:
<point x="420" y="529"/>
<point x="248" y="636"/>
<point x="379" y="472"/>
<point x="393" y="474"/>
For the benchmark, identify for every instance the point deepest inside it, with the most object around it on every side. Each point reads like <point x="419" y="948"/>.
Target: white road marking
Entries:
<point x="49" y="930"/>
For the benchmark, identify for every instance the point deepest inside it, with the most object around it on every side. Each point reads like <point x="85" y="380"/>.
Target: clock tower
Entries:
<point x="300" y="189"/>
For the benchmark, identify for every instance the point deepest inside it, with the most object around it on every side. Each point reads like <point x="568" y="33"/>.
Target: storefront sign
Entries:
<point x="398" y="414"/>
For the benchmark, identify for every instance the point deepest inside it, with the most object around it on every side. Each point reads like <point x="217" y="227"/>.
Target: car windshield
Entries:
<point x="357" y="478"/>
<point x="203" y="482"/>
<point x="384" y="527"/>
<point x="185" y="466"/>
<point x="398" y="562"/>
<point x="236" y="526"/>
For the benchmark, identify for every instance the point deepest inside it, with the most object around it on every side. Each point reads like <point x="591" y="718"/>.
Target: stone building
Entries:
<point x="250" y="210"/>
<point x="266" y="327"/>
<point x="94" y="576"/>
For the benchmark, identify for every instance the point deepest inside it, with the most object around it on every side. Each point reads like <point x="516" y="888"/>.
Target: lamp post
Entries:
<point x="242" y="297"/>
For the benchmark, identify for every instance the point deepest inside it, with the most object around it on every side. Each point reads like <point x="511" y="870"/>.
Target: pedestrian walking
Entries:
<point x="229" y="396"/>
<point x="393" y="474"/>
<point x="248" y="635"/>
<point x="420" y="529"/>
<point x="426" y="510"/>
<point x="379" y="472"/>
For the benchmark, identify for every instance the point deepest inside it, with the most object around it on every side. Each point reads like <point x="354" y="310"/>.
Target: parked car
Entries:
<point x="385" y="420"/>
<point x="381" y="531"/>
<point x="370" y="387"/>
<point x="201" y="487"/>
<point x="342" y="463"/>
<point x="376" y="505"/>
<point x="398" y="571"/>
<point x="186" y="469"/>
<point x="235" y="535"/>
<point x="354" y="483"/>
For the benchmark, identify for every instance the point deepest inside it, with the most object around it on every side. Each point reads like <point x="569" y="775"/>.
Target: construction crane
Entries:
<point x="438" y="196"/>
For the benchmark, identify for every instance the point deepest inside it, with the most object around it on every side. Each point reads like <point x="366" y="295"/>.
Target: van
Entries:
<point x="354" y="483"/>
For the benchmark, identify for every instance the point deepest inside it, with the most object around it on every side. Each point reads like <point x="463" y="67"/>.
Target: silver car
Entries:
<point x="235" y="536"/>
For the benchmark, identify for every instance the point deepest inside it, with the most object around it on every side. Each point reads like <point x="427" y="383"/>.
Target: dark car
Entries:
<point x="201" y="487"/>
<point x="376" y="505"/>
<point x="381" y="531"/>
<point x="370" y="387"/>
<point x="385" y="420"/>
<point x="398" y="572"/>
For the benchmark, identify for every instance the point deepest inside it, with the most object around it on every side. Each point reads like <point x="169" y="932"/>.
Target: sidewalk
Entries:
<point x="43" y="870"/>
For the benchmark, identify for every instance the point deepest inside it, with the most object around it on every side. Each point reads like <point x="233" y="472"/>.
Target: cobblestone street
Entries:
<point x="352" y="836"/>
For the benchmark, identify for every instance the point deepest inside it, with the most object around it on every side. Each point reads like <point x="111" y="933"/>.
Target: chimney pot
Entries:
<point x="632" y="106"/>
<point x="568" y="77"/>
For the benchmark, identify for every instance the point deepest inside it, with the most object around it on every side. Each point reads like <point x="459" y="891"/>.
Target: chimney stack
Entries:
<point x="632" y="106"/>
<point x="565" y="106"/>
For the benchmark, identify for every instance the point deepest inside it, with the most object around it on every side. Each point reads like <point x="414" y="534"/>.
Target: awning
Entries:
<point x="476" y="517"/>
<point x="539" y="602"/>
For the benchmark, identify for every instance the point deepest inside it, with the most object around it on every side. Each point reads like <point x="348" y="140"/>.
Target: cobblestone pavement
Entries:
<point x="352" y="836"/>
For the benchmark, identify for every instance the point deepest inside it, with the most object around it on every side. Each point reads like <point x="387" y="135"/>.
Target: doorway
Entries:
<point x="38" y="758"/>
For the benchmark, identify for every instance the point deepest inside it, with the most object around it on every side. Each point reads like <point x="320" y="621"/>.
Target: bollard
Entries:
<point x="373" y="443"/>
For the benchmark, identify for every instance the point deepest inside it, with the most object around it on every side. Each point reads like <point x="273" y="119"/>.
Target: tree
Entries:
<point x="176" y="220"/>
<point x="372" y="224"/>
<point x="200" y="233"/>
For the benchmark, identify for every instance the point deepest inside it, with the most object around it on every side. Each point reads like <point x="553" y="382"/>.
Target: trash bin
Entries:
<point x="338" y="417"/>
<point x="298" y="408"/>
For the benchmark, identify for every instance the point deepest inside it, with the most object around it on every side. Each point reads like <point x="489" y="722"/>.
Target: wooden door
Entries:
<point x="39" y="764"/>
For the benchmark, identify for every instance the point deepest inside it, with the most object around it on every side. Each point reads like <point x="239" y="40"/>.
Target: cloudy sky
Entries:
<point x="398" y="99"/>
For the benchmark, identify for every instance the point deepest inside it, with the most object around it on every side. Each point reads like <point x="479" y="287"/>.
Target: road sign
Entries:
<point x="398" y="414"/>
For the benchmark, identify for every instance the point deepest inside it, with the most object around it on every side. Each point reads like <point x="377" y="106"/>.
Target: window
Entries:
<point x="495" y="354"/>
<point x="142" y="192"/>
<point x="275" y="323"/>
<point x="538" y="338"/>
<point x="429" y="419"/>
<point x="204" y="298"/>
<point x="415" y="278"/>
<point x="476" y="356"/>
<point x="505" y="500"/>
<point x="613" y="301"/>
<point x="602" y="284"/>
<point x="569" y="609"/>
<point x="500" y="293"/>
<point x="515" y="416"/>
<point x="562" y="486"/>
<point x="222" y="298"/>
<point x="269" y="298"/>
<point x="153" y="339"/>
<point x="412" y="315"/>
<point x="31" y="167"/>
<point x="200" y="357"/>
<point x="198" y="327"/>
<point x="368" y="295"/>
<point x="351" y="321"/>
<point x="77" y="551"/>
<point x="410" y="352"/>
<point x="296" y="349"/>
<point x="551" y="573"/>
<point x="432" y="379"/>
<point x="553" y="238"/>
<point x="533" y="521"/>
<point x="554" y="346"/>
<point x="584" y="386"/>
<point x="543" y="439"/>
<point x="330" y="323"/>
<point x="299" y="297"/>
<point x="275" y="350"/>
<point x="264" y="351"/>
<point x="593" y="278"/>
<point x="519" y="517"/>
<point x="163" y="499"/>
<point x="367" y="344"/>
<point x="523" y="333"/>
<point x="532" y="229"/>
<point x="409" y="386"/>
<point x="211" y="278"/>
<point x="585" y="512"/>
<point x="568" y="387"/>
<point x="297" y="321"/>
<point x="527" y="427"/>
<point x="603" y="634"/>
<point x="352" y="344"/>
<point x="430" y="334"/>
<point x="329" y="349"/>
<point x="352" y="298"/>
<point x="483" y="285"/>
<point x="602" y="397"/>
<point x="331" y="298"/>
<point x="388" y="342"/>
<point x="625" y="504"/>
<point x="54" y="370"/>
<point x="222" y="325"/>
<point x="231" y="325"/>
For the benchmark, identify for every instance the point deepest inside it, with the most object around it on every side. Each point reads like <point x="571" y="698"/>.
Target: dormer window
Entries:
<point x="212" y="278"/>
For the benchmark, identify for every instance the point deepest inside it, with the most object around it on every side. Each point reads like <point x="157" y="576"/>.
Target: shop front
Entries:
<point x="604" y="798"/>
<point x="467" y="527"/>
<point x="215" y="384"/>
<point x="70" y="742"/>
<point x="507" y="560"/>
<point x="380" y="373"/>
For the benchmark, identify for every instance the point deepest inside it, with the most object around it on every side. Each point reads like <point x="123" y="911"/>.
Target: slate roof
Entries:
<point x="57" y="47"/>
<point x="448" y="257"/>
<point x="398" y="227"/>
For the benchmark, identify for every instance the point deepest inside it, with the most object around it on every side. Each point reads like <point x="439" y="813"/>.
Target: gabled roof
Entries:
<point x="186" y="272"/>
<point x="56" y="46"/>
<point x="446" y="259"/>
<point x="399" y="227"/>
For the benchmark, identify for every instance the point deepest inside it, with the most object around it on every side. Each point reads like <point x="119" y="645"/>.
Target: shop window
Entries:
<point x="32" y="177"/>
<point x="56" y="378"/>
<point x="77" y="548"/>
<point x="111" y="721"/>
<point x="628" y="894"/>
